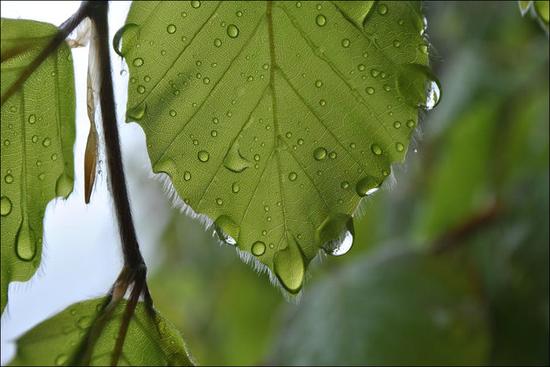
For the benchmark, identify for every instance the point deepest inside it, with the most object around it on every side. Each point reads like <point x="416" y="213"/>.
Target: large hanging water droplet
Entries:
<point x="289" y="267"/>
<point x="232" y="31"/>
<point x="5" y="206"/>
<point x="126" y="32"/>
<point x="25" y="243"/>
<point x="258" y="248"/>
<point x="63" y="186"/>
<point x="136" y="113"/>
<point x="368" y="185"/>
<point x="226" y="229"/>
<point x="234" y="161"/>
<point x="335" y="234"/>
<point x="418" y="86"/>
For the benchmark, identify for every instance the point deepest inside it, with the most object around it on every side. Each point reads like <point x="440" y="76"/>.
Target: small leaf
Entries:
<point x="271" y="118"/>
<point x="57" y="340"/>
<point x="37" y="138"/>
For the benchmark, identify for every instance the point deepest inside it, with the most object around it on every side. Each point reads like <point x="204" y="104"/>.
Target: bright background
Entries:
<point x="484" y="300"/>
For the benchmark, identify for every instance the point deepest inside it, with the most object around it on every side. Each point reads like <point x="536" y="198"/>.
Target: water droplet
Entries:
<point x="234" y="161"/>
<point x="219" y="201"/>
<point x="321" y="20"/>
<point x="387" y="88"/>
<point x="187" y="175"/>
<point x="298" y="4"/>
<point x="206" y="80"/>
<point x="418" y="86"/>
<point x="361" y="67"/>
<point x="6" y="142"/>
<point x="41" y="176"/>
<point x="5" y="206"/>
<point x="289" y="267"/>
<point x="226" y="229"/>
<point x="335" y="234"/>
<point x="396" y="43"/>
<point x="374" y="73"/>
<point x="300" y="141"/>
<point x="352" y="145"/>
<point x="258" y="248"/>
<point x="34" y="138"/>
<point x="84" y="322"/>
<point x="367" y="186"/>
<point x="370" y="90"/>
<point x="292" y="176"/>
<point x="322" y="102"/>
<point x="136" y="113"/>
<point x="319" y="153"/>
<point x="171" y="29"/>
<point x="13" y="108"/>
<point x="382" y="9"/>
<point x="375" y="148"/>
<point x="63" y="186"/>
<point x="232" y="31"/>
<point x="196" y="4"/>
<point x="61" y="360"/>
<point x="399" y="147"/>
<point x="239" y="13"/>
<point x="32" y="119"/>
<point x="344" y="184"/>
<point x="173" y="113"/>
<point x="141" y="89"/>
<point x="346" y="43"/>
<point x="217" y="42"/>
<point x="54" y="157"/>
<point x="397" y="124"/>
<point x="288" y="134"/>
<point x="333" y="155"/>
<point x="410" y="124"/>
<point x="203" y="156"/>
<point x="213" y="133"/>
<point x="147" y="78"/>
<point x="423" y="48"/>
<point x="46" y="142"/>
<point x="25" y="246"/>
<point x="8" y="179"/>
<point x="138" y="61"/>
<point x="235" y="187"/>
<point x="318" y="83"/>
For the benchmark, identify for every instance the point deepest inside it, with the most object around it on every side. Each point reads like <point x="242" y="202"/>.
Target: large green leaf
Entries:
<point x="394" y="308"/>
<point x="57" y="340"/>
<point x="274" y="119"/>
<point x="37" y="138"/>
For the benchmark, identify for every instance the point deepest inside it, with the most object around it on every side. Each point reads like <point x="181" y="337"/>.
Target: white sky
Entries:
<point x="81" y="255"/>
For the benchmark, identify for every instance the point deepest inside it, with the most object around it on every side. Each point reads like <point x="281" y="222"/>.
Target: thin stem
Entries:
<point x="64" y="30"/>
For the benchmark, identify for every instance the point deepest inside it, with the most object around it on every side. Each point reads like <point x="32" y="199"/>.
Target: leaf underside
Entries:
<point x="37" y="138"/>
<point x="275" y="119"/>
<point x="57" y="340"/>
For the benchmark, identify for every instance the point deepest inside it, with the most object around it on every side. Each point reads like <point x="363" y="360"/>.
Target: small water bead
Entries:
<point x="235" y="187"/>
<point x="382" y="9"/>
<point x="333" y="155"/>
<point x="321" y="20"/>
<point x="298" y="4"/>
<point x="84" y="322"/>
<point x="32" y="119"/>
<point x="346" y="43"/>
<point x="6" y="142"/>
<point x="288" y="134"/>
<point x="387" y="88"/>
<point x="322" y="102"/>
<point x="397" y="124"/>
<point x="300" y="141"/>
<point x="374" y="73"/>
<point x="256" y="157"/>
<point x="264" y="233"/>
<point x="34" y="138"/>
<point x="5" y="206"/>
<point x="206" y="81"/>
<point x="319" y="153"/>
<point x="318" y="83"/>
<point x="385" y="173"/>
<point x="138" y="61"/>
<point x="232" y="31"/>
<point x="203" y="156"/>
<point x="219" y="201"/>
<point x="423" y="48"/>
<point x="195" y="142"/>
<point x="399" y="147"/>
<point x="292" y="176"/>
<point x="54" y="157"/>
<point x="173" y="113"/>
<point x="269" y="218"/>
<point x="213" y="133"/>
<point x="13" y="109"/>
<point x="215" y="120"/>
<point x="8" y="179"/>
<point x="370" y="90"/>
<point x="196" y="4"/>
<point x="410" y="124"/>
<point x="258" y="248"/>
<point x="171" y="29"/>
<point x="352" y="145"/>
<point x="183" y="14"/>
<point x="217" y="42"/>
<point x="60" y="360"/>
<point x="147" y="78"/>
<point x="396" y="43"/>
<point x="344" y="185"/>
<point x="239" y="13"/>
<point x="38" y="163"/>
<point x="141" y="89"/>
<point x="375" y="148"/>
<point x="400" y="22"/>
<point x="162" y="52"/>
<point x="361" y="67"/>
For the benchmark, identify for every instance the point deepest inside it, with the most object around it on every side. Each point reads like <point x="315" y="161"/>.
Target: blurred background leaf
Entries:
<point x="482" y="153"/>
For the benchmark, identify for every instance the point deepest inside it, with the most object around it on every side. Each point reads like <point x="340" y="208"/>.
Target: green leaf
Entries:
<point x="539" y="9"/>
<point x="393" y="308"/>
<point x="274" y="119"/>
<point x="37" y="138"/>
<point x="56" y="341"/>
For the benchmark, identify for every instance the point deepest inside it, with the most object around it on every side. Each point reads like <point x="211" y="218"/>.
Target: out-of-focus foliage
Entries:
<point x="482" y="164"/>
<point x="538" y="9"/>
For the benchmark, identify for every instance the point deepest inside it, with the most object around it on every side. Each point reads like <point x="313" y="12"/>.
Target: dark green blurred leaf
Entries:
<point x="392" y="308"/>
<point x="56" y="340"/>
